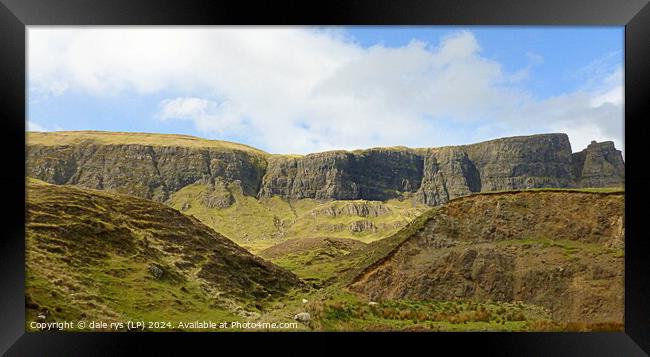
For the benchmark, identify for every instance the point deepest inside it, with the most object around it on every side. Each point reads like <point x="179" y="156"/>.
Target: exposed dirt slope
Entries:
<point x="561" y="250"/>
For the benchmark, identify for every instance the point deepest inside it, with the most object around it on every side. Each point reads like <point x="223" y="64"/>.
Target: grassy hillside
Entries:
<point x="448" y="270"/>
<point x="217" y="246"/>
<point x="257" y="224"/>
<point x="96" y="255"/>
<point x="316" y="260"/>
<point x="335" y="262"/>
<point x="365" y="221"/>
<point x="129" y="138"/>
<point x="252" y="223"/>
<point x="604" y="190"/>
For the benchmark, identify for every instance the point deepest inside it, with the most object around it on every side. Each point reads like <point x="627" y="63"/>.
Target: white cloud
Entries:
<point x="610" y="89"/>
<point x="209" y="116"/>
<point x="298" y="90"/>
<point x="31" y="126"/>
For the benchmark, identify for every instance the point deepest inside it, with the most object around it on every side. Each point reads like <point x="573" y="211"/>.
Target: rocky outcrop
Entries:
<point x="353" y="208"/>
<point x="599" y="165"/>
<point x="362" y="226"/>
<point x="523" y="162"/>
<point x="374" y="174"/>
<point x="153" y="172"/>
<point x="431" y="176"/>
<point x="436" y="176"/>
<point x="448" y="173"/>
<point x="319" y="176"/>
<point x="217" y="195"/>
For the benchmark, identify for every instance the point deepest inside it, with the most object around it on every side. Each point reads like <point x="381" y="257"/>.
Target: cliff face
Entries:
<point x="431" y="176"/>
<point x="437" y="175"/>
<point x="375" y="174"/>
<point x="319" y="176"/>
<point x="599" y="165"/>
<point x="152" y="172"/>
<point x="448" y="173"/>
<point x="523" y="162"/>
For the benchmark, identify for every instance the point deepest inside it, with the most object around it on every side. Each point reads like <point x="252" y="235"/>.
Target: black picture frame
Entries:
<point x="15" y="15"/>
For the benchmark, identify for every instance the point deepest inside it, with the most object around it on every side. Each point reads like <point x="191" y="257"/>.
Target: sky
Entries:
<point x="310" y="89"/>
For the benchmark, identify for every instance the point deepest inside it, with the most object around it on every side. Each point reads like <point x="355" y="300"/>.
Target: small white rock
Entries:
<point x="373" y="303"/>
<point x="304" y="301"/>
<point x="302" y="317"/>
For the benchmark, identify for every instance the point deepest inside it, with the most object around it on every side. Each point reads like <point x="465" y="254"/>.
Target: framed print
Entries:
<point x="457" y="174"/>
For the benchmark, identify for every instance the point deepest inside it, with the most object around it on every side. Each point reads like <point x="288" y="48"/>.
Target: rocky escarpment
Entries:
<point x="155" y="166"/>
<point x="523" y="162"/>
<point x="435" y="176"/>
<point x="560" y="250"/>
<point x="152" y="171"/>
<point x="374" y="174"/>
<point x="599" y="165"/>
<point x="353" y="208"/>
<point x="448" y="173"/>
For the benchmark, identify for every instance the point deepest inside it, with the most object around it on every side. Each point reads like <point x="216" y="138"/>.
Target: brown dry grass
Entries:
<point x="58" y="138"/>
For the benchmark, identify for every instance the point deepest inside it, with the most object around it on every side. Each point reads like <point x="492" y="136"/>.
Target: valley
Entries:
<point x="513" y="234"/>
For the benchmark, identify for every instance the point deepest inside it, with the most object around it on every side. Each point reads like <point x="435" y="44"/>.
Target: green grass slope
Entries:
<point x="257" y="224"/>
<point x="59" y="138"/>
<point x="314" y="260"/>
<point x="97" y="255"/>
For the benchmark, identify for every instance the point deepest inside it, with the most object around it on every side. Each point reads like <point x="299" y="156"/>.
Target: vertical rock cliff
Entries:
<point x="523" y="162"/>
<point x="434" y="175"/>
<point x="599" y="165"/>
<point x="320" y="176"/>
<point x="448" y="173"/>
<point x="150" y="171"/>
<point x="155" y="166"/>
<point x="374" y="174"/>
